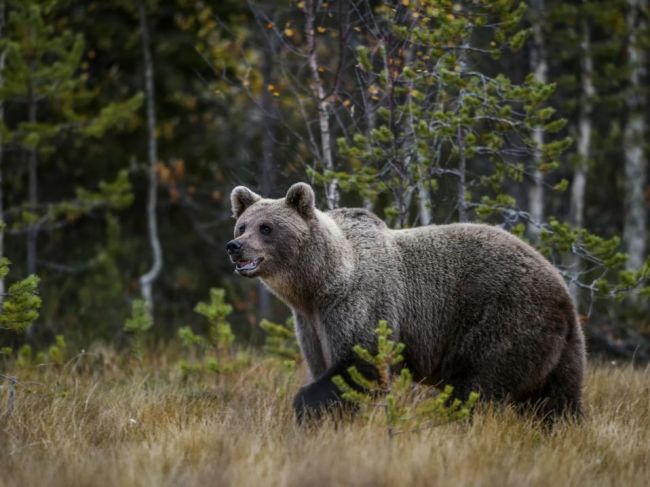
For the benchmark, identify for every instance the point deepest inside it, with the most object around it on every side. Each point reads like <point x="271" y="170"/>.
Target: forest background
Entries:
<point x="124" y="125"/>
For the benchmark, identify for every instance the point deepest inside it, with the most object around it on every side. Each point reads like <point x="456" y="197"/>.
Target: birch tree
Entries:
<point x="147" y="280"/>
<point x="635" y="136"/>
<point x="539" y="66"/>
<point x="579" y="184"/>
<point x="322" y="101"/>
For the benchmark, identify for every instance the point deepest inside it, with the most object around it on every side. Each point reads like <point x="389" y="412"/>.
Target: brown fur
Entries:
<point x="476" y="307"/>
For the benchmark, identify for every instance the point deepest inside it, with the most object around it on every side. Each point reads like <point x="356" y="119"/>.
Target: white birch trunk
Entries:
<point x="634" y="229"/>
<point x="332" y="189"/>
<point x="147" y="280"/>
<point x="539" y="66"/>
<point x="424" y="205"/>
<point x="579" y="185"/>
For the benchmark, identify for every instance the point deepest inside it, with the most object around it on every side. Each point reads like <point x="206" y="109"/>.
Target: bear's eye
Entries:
<point x="265" y="229"/>
<point x="242" y="229"/>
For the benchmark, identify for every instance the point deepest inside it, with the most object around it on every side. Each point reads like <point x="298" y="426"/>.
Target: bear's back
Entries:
<point x="470" y="246"/>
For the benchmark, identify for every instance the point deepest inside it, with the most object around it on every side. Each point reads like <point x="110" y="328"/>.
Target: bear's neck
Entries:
<point x="323" y="273"/>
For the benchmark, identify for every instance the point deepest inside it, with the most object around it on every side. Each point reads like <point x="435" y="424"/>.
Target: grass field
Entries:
<point x="98" y="422"/>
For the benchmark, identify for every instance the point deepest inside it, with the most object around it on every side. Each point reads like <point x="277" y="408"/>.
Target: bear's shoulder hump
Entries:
<point x="357" y="217"/>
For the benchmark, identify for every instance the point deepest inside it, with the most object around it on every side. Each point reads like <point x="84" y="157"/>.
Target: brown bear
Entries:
<point x="476" y="307"/>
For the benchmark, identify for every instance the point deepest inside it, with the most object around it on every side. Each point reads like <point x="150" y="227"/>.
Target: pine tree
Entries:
<point x="281" y="341"/>
<point x="216" y="351"/>
<point x="21" y="302"/>
<point x="45" y="87"/>
<point x="395" y="393"/>
<point x="635" y="231"/>
<point x="440" y="114"/>
<point x="138" y="324"/>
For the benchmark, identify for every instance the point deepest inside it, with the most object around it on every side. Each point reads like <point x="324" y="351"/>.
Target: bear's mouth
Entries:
<point x="247" y="266"/>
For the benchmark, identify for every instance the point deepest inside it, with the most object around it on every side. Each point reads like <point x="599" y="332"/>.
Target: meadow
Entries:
<point x="101" y="419"/>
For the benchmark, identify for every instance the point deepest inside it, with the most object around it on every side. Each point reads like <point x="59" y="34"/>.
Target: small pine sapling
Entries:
<point x="220" y="333"/>
<point x="25" y="357"/>
<point x="137" y="326"/>
<point x="20" y="305"/>
<point x="404" y="409"/>
<point x="216" y="351"/>
<point x="57" y="353"/>
<point x="281" y="342"/>
<point x="18" y="310"/>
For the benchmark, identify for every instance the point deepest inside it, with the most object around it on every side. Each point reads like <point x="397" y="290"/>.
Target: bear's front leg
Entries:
<point x="323" y="396"/>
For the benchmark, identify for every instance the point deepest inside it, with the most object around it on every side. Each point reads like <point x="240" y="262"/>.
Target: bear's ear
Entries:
<point x="301" y="198"/>
<point x="241" y="198"/>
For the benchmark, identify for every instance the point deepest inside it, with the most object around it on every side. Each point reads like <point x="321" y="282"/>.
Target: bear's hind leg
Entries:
<point x="561" y="394"/>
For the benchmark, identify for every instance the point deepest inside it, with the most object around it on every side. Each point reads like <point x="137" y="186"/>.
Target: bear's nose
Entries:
<point x="233" y="247"/>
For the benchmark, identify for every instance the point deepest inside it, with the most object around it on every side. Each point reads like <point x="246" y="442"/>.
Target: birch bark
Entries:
<point x="539" y="66"/>
<point x="634" y="228"/>
<point x="332" y="190"/>
<point x="147" y="280"/>
<point x="579" y="185"/>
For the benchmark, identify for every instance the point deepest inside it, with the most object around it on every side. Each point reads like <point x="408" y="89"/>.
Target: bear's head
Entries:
<point x="269" y="233"/>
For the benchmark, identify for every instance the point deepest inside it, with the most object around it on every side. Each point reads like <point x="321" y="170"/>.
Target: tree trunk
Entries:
<point x="147" y="280"/>
<point x="332" y="189"/>
<point x="635" y="231"/>
<point x="32" y="165"/>
<point x="371" y="121"/>
<point x="424" y="204"/>
<point x="461" y="189"/>
<point x="2" y="117"/>
<point x="578" y="188"/>
<point x="266" y="182"/>
<point x="540" y="69"/>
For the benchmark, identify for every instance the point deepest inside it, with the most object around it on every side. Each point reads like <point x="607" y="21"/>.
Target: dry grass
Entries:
<point x="111" y="426"/>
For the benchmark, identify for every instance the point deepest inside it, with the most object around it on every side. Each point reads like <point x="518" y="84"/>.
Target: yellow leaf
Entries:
<point x="179" y="169"/>
<point x="321" y="29"/>
<point x="288" y="31"/>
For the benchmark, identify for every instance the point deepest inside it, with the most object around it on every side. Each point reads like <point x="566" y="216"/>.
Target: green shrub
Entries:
<point x="404" y="407"/>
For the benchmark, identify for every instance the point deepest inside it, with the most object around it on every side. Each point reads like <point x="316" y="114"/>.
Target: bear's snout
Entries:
<point x="233" y="248"/>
